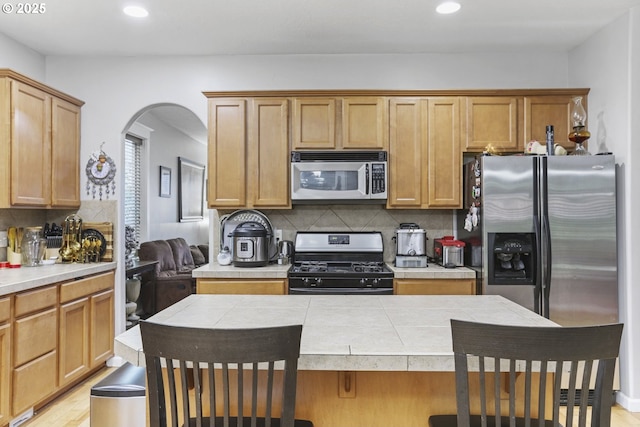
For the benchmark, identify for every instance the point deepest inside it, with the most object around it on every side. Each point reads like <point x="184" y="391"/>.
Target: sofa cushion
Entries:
<point x="204" y="248"/>
<point x="181" y="255"/>
<point x="197" y="255"/>
<point x="159" y="250"/>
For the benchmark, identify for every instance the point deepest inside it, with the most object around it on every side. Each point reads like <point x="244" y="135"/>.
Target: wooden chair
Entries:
<point x="187" y="356"/>
<point x="526" y="355"/>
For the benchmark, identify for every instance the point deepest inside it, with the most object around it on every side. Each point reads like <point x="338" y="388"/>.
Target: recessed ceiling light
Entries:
<point x="448" y="7"/>
<point x="136" y="11"/>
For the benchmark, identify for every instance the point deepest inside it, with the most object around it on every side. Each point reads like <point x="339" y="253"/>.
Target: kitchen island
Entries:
<point x="364" y="360"/>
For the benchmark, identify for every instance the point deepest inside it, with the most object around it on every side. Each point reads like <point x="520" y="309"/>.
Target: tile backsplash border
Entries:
<point x="438" y="223"/>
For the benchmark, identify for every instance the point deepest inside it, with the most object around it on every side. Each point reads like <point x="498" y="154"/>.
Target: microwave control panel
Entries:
<point x="378" y="181"/>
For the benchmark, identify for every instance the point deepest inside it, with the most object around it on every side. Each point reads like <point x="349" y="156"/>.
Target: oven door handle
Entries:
<point x="341" y="291"/>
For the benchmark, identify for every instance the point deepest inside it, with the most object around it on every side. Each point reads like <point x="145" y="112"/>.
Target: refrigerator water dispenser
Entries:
<point x="511" y="258"/>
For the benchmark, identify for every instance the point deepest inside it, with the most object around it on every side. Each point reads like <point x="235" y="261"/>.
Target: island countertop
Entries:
<point x="346" y="332"/>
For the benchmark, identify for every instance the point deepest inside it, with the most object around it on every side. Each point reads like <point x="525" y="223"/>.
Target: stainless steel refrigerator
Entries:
<point x="547" y="228"/>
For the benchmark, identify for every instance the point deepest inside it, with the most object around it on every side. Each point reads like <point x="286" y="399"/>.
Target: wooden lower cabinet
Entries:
<point x="35" y="343"/>
<point x="57" y="335"/>
<point x="5" y="360"/>
<point x="434" y="286"/>
<point x="86" y="326"/>
<point x="242" y="286"/>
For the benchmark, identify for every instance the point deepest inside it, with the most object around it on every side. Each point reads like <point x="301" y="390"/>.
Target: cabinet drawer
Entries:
<point x="34" y="336"/>
<point x="240" y="286"/>
<point x="32" y="301"/>
<point x="5" y="309"/>
<point x="33" y="382"/>
<point x="87" y="286"/>
<point x="434" y="286"/>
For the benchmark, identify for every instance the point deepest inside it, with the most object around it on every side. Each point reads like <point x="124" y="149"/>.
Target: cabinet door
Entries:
<point x="492" y="120"/>
<point x="102" y="328"/>
<point x="269" y="153"/>
<point x="227" y="153"/>
<point x="30" y="146"/>
<point x="444" y="157"/>
<point x="540" y="111"/>
<point x="74" y="341"/>
<point x="5" y="372"/>
<point x="65" y="154"/>
<point x="314" y="123"/>
<point x="405" y="153"/>
<point x="364" y="123"/>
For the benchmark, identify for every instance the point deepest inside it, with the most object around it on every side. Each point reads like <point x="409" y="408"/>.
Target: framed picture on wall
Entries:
<point x="190" y="190"/>
<point x="165" y="181"/>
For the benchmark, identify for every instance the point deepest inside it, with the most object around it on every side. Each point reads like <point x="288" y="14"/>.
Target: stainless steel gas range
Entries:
<point x="340" y="263"/>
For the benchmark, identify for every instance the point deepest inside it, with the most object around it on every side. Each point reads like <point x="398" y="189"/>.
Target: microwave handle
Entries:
<point x="366" y="179"/>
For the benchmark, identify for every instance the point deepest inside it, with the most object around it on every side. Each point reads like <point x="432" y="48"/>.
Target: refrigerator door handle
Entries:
<point x="546" y="241"/>
<point x="537" y="291"/>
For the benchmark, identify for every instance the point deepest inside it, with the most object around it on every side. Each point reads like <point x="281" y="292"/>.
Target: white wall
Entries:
<point x="166" y="144"/>
<point x="606" y="64"/>
<point x="20" y="58"/>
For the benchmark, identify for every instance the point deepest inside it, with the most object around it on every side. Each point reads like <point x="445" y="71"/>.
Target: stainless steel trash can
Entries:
<point x="119" y="399"/>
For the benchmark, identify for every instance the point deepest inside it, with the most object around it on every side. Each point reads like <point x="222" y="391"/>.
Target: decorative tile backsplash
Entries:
<point x="438" y="223"/>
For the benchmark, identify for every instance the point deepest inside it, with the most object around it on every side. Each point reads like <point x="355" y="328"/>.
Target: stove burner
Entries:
<point x="312" y="267"/>
<point x="367" y="267"/>
<point x="347" y="267"/>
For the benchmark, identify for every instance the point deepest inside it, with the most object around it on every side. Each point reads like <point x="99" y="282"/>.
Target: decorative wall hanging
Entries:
<point x="101" y="170"/>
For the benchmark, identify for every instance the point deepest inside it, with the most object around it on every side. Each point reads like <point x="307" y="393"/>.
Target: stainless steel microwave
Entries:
<point x="339" y="176"/>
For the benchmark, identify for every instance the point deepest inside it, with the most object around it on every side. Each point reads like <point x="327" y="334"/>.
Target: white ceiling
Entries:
<point x="211" y="27"/>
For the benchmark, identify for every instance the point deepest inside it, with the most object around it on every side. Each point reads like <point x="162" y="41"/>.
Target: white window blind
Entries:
<point x="132" y="183"/>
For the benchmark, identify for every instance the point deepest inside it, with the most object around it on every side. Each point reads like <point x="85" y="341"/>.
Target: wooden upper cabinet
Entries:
<point x="269" y="153"/>
<point x="65" y="154"/>
<point x="425" y="168"/>
<point x="227" y="152"/>
<point x="30" y="146"/>
<point x="248" y="153"/>
<point x="314" y="123"/>
<point x="41" y="139"/>
<point x="405" y="153"/>
<point x="491" y="120"/>
<point x="364" y="124"/>
<point x="540" y="111"/>
<point x="444" y="157"/>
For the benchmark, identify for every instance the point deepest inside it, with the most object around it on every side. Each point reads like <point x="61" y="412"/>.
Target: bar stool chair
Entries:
<point x="512" y="363"/>
<point x="233" y="374"/>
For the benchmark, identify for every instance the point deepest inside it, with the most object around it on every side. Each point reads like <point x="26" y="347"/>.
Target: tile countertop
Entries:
<point x="346" y="332"/>
<point x="433" y="271"/>
<point x="24" y="278"/>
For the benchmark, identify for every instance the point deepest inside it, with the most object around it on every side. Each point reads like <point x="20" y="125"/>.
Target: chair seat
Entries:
<point x="246" y="422"/>
<point x="452" y="421"/>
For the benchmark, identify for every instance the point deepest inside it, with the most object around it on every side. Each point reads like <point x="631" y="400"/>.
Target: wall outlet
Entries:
<point x="278" y="233"/>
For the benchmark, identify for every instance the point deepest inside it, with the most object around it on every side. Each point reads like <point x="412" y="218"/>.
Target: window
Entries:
<point x="132" y="183"/>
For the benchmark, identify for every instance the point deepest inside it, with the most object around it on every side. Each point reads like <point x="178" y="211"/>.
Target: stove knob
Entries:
<point x="305" y="280"/>
<point x="318" y="281"/>
<point x="375" y="281"/>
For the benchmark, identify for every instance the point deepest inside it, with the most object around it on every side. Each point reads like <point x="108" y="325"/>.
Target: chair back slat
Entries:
<point x="227" y="377"/>
<point x="523" y="358"/>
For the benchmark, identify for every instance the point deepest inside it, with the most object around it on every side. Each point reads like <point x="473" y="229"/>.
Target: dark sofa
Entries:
<point x="173" y="280"/>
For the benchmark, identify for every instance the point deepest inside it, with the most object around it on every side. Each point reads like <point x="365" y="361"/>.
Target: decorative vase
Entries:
<point x="132" y="292"/>
<point x="580" y="133"/>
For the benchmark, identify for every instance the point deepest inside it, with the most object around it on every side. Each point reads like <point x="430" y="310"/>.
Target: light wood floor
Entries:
<point x="72" y="409"/>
